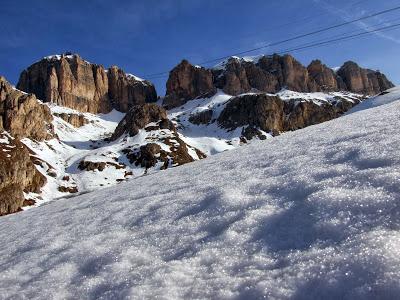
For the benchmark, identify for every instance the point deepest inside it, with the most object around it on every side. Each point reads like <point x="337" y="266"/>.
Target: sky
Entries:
<point x="145" y="37"/>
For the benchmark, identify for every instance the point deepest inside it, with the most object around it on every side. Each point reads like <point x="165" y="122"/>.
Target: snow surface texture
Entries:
<point x="311" y="214"/>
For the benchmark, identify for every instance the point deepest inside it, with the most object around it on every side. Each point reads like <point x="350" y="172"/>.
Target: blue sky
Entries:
<point x="149" y="36"/>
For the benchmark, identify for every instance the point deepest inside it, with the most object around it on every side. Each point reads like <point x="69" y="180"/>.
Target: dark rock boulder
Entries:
<point x="187" y="82"/>
<point x="203" y="117"/>
<point x="256" y="110"/>
<point x="138" y="117"/>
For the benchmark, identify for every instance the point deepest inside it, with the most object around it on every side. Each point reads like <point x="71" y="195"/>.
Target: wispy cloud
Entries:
<point x="347" y="16"/>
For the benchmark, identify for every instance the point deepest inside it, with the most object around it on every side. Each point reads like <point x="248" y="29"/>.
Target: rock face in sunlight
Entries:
<point x="363" y="81"/>
<point x="70" y="81"/>
<point x="22" y="115"/>
<point x="188" y="82"/>
<point x="270" y="74"/>
<point x="18" y="174"/>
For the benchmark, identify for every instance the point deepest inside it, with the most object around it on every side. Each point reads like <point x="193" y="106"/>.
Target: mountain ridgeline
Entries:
<point x="63" y="93"/>
<point x="269" y="74"/>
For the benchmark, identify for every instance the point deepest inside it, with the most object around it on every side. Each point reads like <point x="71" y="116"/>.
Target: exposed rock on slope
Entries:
<point x="22" y="115"/>
<point x="270" y="74"/>
<point x="274" y="115"/>
<point x="76" y="120"/>
<point x="188" y="82"/>
<point x="18" y="174"/>
<point x="70" y="81"/>
<point x="154" y="121"/>
<point x="138" y="117"/>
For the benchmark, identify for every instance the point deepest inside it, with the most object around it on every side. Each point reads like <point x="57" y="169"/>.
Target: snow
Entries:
<point x="386" y="97"/>
<point x="252" y="59"/>
<point x="311" y="214"/>
<point x="135" y="77"/>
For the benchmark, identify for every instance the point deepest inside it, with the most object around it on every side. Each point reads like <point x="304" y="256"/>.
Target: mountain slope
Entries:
<point x="310" y="214"/>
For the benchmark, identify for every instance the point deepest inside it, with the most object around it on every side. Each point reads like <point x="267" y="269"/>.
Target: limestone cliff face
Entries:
<point x="18" y="174"/>
<point x="126" y="90"/>
<point x="22" y="115"/>
<point x="188" y="82"/>
<point x="270" y="74"/>
<point x="363" y="81"/>
<point x="70" y="81"/>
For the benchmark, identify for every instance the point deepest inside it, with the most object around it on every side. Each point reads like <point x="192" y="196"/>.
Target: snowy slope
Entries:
<point x="311" y="214"/>
<point x="386" y="97"/>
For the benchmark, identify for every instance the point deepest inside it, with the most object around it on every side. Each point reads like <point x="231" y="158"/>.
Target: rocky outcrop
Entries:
<point x="76" y="120"/>
<point x="203" y="117"/>
<point x="269" y="74"/>
<point x="70" y="81"/>
<point x="22" y="115"/>
<point x="138" y="117"/>
<point x="126" y="90"/>
<point x="87" y="165"/>
<point x="363" y="81"/>
<point x="188" y="82"/>
<point x="260" y="111"/>
<point x="272" y="114"/>
<point x="18" y="174"/>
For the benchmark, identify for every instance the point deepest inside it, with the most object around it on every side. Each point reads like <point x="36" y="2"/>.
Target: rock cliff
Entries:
<point x="269" y="74"/>
<point x="18" y="174"/>
<point x="22" y="115"/>
<point x="70" y="81"/>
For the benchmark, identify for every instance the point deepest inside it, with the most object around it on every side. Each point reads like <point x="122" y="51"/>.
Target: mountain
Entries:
<point x="70" y="81"/>
<point x="96" y="128"/>
<point x="310" y="214"/>
<point x="269" y="74"/>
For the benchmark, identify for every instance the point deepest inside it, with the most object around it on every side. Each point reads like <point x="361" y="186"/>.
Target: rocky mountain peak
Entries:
<point x="187" y="82"/>
<point x="70" y="81"/>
